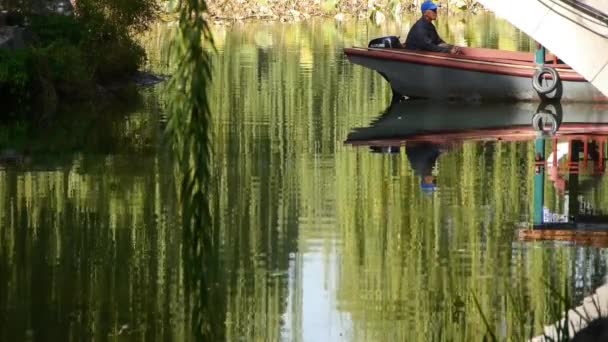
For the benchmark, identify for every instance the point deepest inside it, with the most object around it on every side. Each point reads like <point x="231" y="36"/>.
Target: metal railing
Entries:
<point x="576" y="7"/>
<point x="588" y="10"/>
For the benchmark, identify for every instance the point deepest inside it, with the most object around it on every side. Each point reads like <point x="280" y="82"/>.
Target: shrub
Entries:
<point x="15" y="71"/>
<point x="117" y="60"/>
<point x="109" y="26"/>
<point x="68" y="53"/>
<point x="68" y="67"/>
<point x="117" y="17"/>
<point x="51" y="29"/>
<point x="15" y="81"/>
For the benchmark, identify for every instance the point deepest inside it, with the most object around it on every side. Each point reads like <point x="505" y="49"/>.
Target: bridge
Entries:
<point x="593" y="307"/>
<point x="574" y="30"/>
<point x="577" y="32"/>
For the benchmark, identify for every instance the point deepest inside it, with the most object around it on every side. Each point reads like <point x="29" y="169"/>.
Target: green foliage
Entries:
<point x="15" y="69"/>
<point x="67" y="64"/>
<point x="116" y="18"/>
<point x="15" y="80"/>
<point x="117" y="59"/>
<point x="189" y="129"/>
<point x="61" y="62"/>
<point x="73" y="52"/>
<point x="79" y="48"/>
<point x="49" y="29"/>
<point x="13" y="135"/>
<point x="60" y="51"/>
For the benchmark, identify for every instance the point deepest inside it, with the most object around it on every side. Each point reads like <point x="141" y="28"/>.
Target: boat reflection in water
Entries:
<point x="570" y="149"/>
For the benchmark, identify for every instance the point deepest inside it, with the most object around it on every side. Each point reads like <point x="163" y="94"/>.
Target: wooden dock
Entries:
<point x="595" y="237"/>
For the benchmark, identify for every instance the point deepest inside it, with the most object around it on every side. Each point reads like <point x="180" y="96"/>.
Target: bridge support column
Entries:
<point x="540" y="54"/>
<point x="539" y="181"/>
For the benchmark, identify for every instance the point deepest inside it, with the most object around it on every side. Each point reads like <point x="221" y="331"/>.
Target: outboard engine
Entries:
<point x="390" y="42"/>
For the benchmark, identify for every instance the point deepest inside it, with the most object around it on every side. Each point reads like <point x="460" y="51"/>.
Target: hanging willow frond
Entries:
<point x="189" y="131"/>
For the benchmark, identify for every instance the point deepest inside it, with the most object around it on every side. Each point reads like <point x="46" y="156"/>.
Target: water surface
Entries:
<point x="322" y="240"/>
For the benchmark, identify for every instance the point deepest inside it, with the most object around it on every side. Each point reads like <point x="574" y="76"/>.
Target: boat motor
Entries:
<point x="390" y="42"/>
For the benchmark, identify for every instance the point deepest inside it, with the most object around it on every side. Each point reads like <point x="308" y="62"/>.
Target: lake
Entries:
<point x="326" y="236"/>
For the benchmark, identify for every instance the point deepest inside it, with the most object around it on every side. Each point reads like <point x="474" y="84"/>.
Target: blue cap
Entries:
<point x="428" y="187"/>
<point x="428" y="5"/>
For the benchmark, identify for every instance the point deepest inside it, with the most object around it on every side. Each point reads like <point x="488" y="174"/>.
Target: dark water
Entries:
<point x="326" y="236"/>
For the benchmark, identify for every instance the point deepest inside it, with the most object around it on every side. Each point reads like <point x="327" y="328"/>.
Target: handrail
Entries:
<point x="569" y="5"/>
<point x="588" y="9"/>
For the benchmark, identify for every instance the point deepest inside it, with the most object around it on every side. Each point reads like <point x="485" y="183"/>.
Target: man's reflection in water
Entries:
<point x="422" y="157"/>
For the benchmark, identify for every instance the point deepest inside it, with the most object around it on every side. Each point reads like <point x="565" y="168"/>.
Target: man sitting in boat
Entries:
<point x="423" y="35"/>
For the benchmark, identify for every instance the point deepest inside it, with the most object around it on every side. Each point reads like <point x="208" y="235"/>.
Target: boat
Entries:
<point x="573" y="128"/>
<point x="434" y="122"/>
<point x="575" y="30"/>
<point x="575" y="161"/>
<point x="475" y="74"/>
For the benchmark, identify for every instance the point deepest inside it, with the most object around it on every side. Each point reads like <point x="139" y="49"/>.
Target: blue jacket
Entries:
<point x="423" y="36"/>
